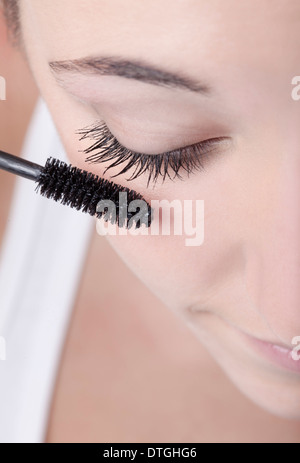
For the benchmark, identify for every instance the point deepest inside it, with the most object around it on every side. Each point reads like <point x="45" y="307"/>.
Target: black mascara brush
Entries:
<point x="79" y="189"/>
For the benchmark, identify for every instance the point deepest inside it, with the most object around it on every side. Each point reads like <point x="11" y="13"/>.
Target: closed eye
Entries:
<point x="170" y="164"/>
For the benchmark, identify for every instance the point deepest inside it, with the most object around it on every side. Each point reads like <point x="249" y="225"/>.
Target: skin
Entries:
<point x="244" y="277"/>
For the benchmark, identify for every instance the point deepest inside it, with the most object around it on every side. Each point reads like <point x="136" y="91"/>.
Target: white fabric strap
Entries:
<point x="41" y="261"/>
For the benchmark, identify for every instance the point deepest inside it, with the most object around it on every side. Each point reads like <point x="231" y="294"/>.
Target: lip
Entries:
<point x="277" y="354"/>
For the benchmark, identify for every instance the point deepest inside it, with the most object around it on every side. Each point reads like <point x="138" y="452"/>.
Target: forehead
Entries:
<point x="190" y="31"/>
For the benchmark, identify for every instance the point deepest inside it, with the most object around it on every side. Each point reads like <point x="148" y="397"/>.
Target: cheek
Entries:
<point x="160" y="263"/>
<point x="180" y="274"/>
<point x="183" y="276"/>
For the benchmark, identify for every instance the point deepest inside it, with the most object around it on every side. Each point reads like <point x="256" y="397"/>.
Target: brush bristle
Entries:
<point x="83" y="190"/>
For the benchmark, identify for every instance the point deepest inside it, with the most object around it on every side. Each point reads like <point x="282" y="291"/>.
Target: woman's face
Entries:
<point x="241" y="285"/>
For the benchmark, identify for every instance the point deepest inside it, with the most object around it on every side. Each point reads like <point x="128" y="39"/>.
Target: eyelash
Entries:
<point x="107" y="147"/>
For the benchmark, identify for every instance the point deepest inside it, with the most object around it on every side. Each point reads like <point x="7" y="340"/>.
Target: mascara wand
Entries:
<point x="78" y="189"/>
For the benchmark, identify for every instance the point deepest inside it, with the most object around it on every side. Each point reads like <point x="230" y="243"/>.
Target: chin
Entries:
<point x="269" y="387"/>
<point x="276" y="392"/>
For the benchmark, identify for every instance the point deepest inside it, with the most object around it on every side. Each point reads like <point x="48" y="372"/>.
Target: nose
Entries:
<point x="273" y="271"/>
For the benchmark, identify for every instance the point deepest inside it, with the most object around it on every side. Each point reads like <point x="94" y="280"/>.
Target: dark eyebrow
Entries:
<point x="130" y="69"/>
